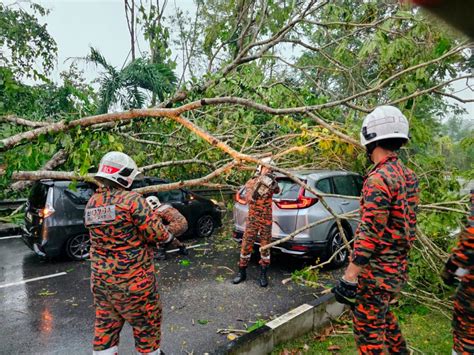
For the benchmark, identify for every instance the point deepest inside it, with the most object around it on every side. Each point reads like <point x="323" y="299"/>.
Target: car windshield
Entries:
<point x="38" y="195"/>
<point x="289" y="190"/>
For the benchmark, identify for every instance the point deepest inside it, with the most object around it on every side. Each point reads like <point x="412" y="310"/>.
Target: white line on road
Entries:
<point x="34" y="279"/>
<point x="11" y="237"/>
<point x="190" y="247"/>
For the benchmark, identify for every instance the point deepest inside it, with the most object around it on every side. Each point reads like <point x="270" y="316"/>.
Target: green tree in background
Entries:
<point x="120" y="86"/>
<point x="24" y="42"/>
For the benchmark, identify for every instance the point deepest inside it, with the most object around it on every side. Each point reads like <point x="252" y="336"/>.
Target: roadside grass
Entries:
<point x="426" y="331"/>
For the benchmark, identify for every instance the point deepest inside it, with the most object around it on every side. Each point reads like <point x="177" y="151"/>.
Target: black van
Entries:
<point x="54" y="214"/>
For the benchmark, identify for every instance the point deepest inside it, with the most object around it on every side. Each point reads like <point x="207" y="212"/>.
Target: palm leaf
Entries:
<point x="157" y="78"/>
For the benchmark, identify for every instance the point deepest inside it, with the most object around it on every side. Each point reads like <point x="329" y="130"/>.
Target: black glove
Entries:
<point x="449" y="273"/>
<point x="345" y="292"/>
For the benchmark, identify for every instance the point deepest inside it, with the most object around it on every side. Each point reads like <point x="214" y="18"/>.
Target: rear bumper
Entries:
<point x="33" y="243"/>
<point x="294" y="248"/>
<point x="39" y="246"/>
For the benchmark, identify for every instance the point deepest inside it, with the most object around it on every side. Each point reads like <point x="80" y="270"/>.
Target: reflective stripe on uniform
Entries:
<point x="110" y="351"/>
<point x="245" y="256"/>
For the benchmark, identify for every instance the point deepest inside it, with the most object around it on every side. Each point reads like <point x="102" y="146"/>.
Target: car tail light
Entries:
<point x="240" y="199"/>
<point x="48" y="209"/>
<point x="46" y="212"/>
<point x="299" y="203"/>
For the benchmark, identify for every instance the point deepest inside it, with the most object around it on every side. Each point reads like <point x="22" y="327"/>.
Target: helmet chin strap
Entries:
<point x="369" y="149"/>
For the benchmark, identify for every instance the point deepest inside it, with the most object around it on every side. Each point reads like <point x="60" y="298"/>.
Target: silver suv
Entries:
<point x="294" y="208"/>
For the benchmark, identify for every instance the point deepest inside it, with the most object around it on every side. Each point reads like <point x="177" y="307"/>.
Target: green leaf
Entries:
<point x="185" y="262"/>
<point x="258" y="324"/>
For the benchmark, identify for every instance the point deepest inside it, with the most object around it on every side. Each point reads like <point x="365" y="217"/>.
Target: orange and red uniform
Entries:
<point x="463" y="315"/>
<point x="174" y="221"/>
<point x="121" y="225"/>
<point x="259" y="220"/>
<point x="383" y="240"/>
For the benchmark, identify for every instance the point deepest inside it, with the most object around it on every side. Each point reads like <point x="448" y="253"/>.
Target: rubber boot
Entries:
<point x="241" y="276"/>
<point x="182" y="250"/>
<point x="263" y="280"/>
<point x="160" y="254"/>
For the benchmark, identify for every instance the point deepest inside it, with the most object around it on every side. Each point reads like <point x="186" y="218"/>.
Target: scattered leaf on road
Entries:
<point x="46" y="293"/>
<point x="185" y="262"/>
<point x="203" y="321"/>
<point x="231" y="336"/>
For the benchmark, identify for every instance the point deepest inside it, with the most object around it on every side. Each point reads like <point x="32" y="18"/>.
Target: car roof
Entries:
<point x="62" y="183"/>
<point x="317" y="174"/>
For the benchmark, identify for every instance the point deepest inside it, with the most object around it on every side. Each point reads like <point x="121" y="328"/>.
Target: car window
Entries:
<point x="170" y="196"/>
<point x="324" y="185"/>
<point x="359" y="182"/>
<point x="345" y="185"/>
<point x="38" y="195"/>
<point x="289" y="190"/>
<point x="81" y="195"/>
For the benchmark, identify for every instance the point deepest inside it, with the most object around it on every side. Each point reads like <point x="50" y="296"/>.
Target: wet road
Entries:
<point x="55" y="315"/>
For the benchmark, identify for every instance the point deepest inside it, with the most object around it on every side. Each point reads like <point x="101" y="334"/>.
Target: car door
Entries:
<point x="346" y="185"/>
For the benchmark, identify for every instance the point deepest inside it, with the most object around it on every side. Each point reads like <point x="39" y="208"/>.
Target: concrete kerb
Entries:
<point x="308" y="317"/>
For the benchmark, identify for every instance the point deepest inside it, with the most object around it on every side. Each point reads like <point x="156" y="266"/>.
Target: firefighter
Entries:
<point x="378" y="269"/>
<point x="175" y="223"/>
<point x="260" y="190"/>
<point x="460" y="268"/>
<point x="121" y="225"/>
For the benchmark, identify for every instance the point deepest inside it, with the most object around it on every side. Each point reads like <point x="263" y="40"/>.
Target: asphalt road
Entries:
<point x="55" y="315"/>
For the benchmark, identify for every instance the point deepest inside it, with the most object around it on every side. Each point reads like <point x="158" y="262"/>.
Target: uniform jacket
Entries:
<point x="264" y="201"/>
<point x="463" y="252"/>
<point x="121" y="225"/>
<point x="174" y="221"/>
<point x="388" y="222"/>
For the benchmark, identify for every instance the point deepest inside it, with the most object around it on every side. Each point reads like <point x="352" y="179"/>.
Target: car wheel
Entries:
<point x="335" y="242"/>
<point x="205" y="226"/>
<point x="78" y="247"/>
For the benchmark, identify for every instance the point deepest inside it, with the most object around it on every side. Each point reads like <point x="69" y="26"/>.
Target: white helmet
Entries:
<point x="154" y="202"/>
<point x="118" y="167"/>
<point x="382" y="123"/>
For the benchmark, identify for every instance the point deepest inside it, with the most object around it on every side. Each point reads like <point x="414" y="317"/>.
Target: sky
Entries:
<point x="78" y="24"/>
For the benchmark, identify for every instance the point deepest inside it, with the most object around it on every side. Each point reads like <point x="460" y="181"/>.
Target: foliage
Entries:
<point x="24" y="42"/>
<point x="121" y="86"/>
<point x="258" y="324"/>
<point x="426" y="331"/>
<point x="346" y="55"/>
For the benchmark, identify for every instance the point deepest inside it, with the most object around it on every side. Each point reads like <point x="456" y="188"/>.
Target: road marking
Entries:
<point x="190" y="247"/>
<point x="11" y="237"/>
<point x="33" y="279"/>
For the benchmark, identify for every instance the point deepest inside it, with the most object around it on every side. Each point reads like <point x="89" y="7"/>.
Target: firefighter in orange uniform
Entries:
<point x="121" y="225"/>
<point x="460" y="269"/>
<point x="379" y="266"/>
<point x="260" y="190"/>
<point x="175" y="223"/>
